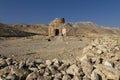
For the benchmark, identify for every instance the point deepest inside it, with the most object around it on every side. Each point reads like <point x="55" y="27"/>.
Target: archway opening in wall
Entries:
<point x="56" y="32"/>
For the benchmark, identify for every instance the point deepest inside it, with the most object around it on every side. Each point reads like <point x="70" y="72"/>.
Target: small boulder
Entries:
<point x="87" y="67"/>
<point x="9" y="61"/>
<point x="66" y="77"/>
<point x="12" y="77"/>
<point x="22" y="65"/>
<point x="94" y="76"/>
<point x="56" y="78"/>
<point x="38" y="61"/>
<point x="73" y="70"/>
<point x="108" y="63"/>
<point x="5" y="70"/>
<point x="32" y="76"/>
<point x="48" y="62"/>
<point x="21" y="73"/>
<point x="44" y="78"/>
<point x="99" y="52"/>
<point x="85" y="57"/>
<point x="108" y="73"/>
<point x="77" y="78"/>
<point x="3" y="63"/>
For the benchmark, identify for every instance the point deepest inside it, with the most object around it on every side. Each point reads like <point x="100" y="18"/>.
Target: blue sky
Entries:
<point x="102" y="12"/>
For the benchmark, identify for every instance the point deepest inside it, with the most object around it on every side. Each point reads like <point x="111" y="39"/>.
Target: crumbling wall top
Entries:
<point x="57" y="21"/>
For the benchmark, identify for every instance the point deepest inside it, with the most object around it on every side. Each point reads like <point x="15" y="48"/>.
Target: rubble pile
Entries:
<point x="104" y="55"/>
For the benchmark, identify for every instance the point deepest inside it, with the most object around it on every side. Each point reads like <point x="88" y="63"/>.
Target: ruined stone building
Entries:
<point x="57" y="27"/>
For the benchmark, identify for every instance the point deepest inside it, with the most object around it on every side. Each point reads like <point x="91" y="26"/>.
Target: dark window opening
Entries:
<point x="56" y="32"/>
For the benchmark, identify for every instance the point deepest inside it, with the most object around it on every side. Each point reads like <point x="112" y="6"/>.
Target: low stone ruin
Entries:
<point x="101" y="61"/>
<point x="57" y="27"/>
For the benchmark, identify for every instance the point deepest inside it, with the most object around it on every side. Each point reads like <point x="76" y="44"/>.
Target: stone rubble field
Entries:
<point x="101" y="61"/>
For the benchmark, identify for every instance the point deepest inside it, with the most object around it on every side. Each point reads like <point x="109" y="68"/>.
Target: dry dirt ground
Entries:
<point x="34" y="48"/>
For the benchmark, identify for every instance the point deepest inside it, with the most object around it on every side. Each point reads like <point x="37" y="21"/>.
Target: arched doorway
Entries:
<point x="56" y="32"/>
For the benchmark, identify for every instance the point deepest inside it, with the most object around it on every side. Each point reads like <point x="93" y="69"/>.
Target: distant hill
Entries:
<point x="8" y="31"/>
<point x="90" y="28"/>
<point x="40" y="29"/>
<point x="74" y="29"/>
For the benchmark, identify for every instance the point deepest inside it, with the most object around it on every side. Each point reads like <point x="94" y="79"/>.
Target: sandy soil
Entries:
<point x="25" y="48"/>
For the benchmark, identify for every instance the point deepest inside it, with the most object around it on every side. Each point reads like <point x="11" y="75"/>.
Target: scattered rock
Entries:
<point x="32" y="76"/>
<point x="87" y="67"/>
<point x="30" y="63"/>
<point x="83" y="58"/>
<point x="57" y="78"/>
<point x="12" y="77"/>
<point x="22" y="64"/>
<point x="99" y="51"/>
<point x="5" y="70"/>
<point x="107" y="63"/>
<point x="77" y="78"/>
<point x="44" y="78"/>
<point x="9" y="61"/>
<point x="21" y="73"/>
<point x="38" y="61"/>
<point x="2" y="63"/>
<point x="117" y="48"/>
<point x="56" y="62"/>
<point x="107" y="72"/>
<point x="66" y="77"/>
<point x="48" y="62"/>
<point x="73" y="70"/>
<point x="94" y="76"/>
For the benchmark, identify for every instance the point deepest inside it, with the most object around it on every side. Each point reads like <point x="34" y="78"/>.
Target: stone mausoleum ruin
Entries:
<point x="57" y="27"/>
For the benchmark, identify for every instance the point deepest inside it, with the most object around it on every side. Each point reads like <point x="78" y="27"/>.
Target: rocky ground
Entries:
<point x="71" y="58"/>
<point x="39" y="47"/>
